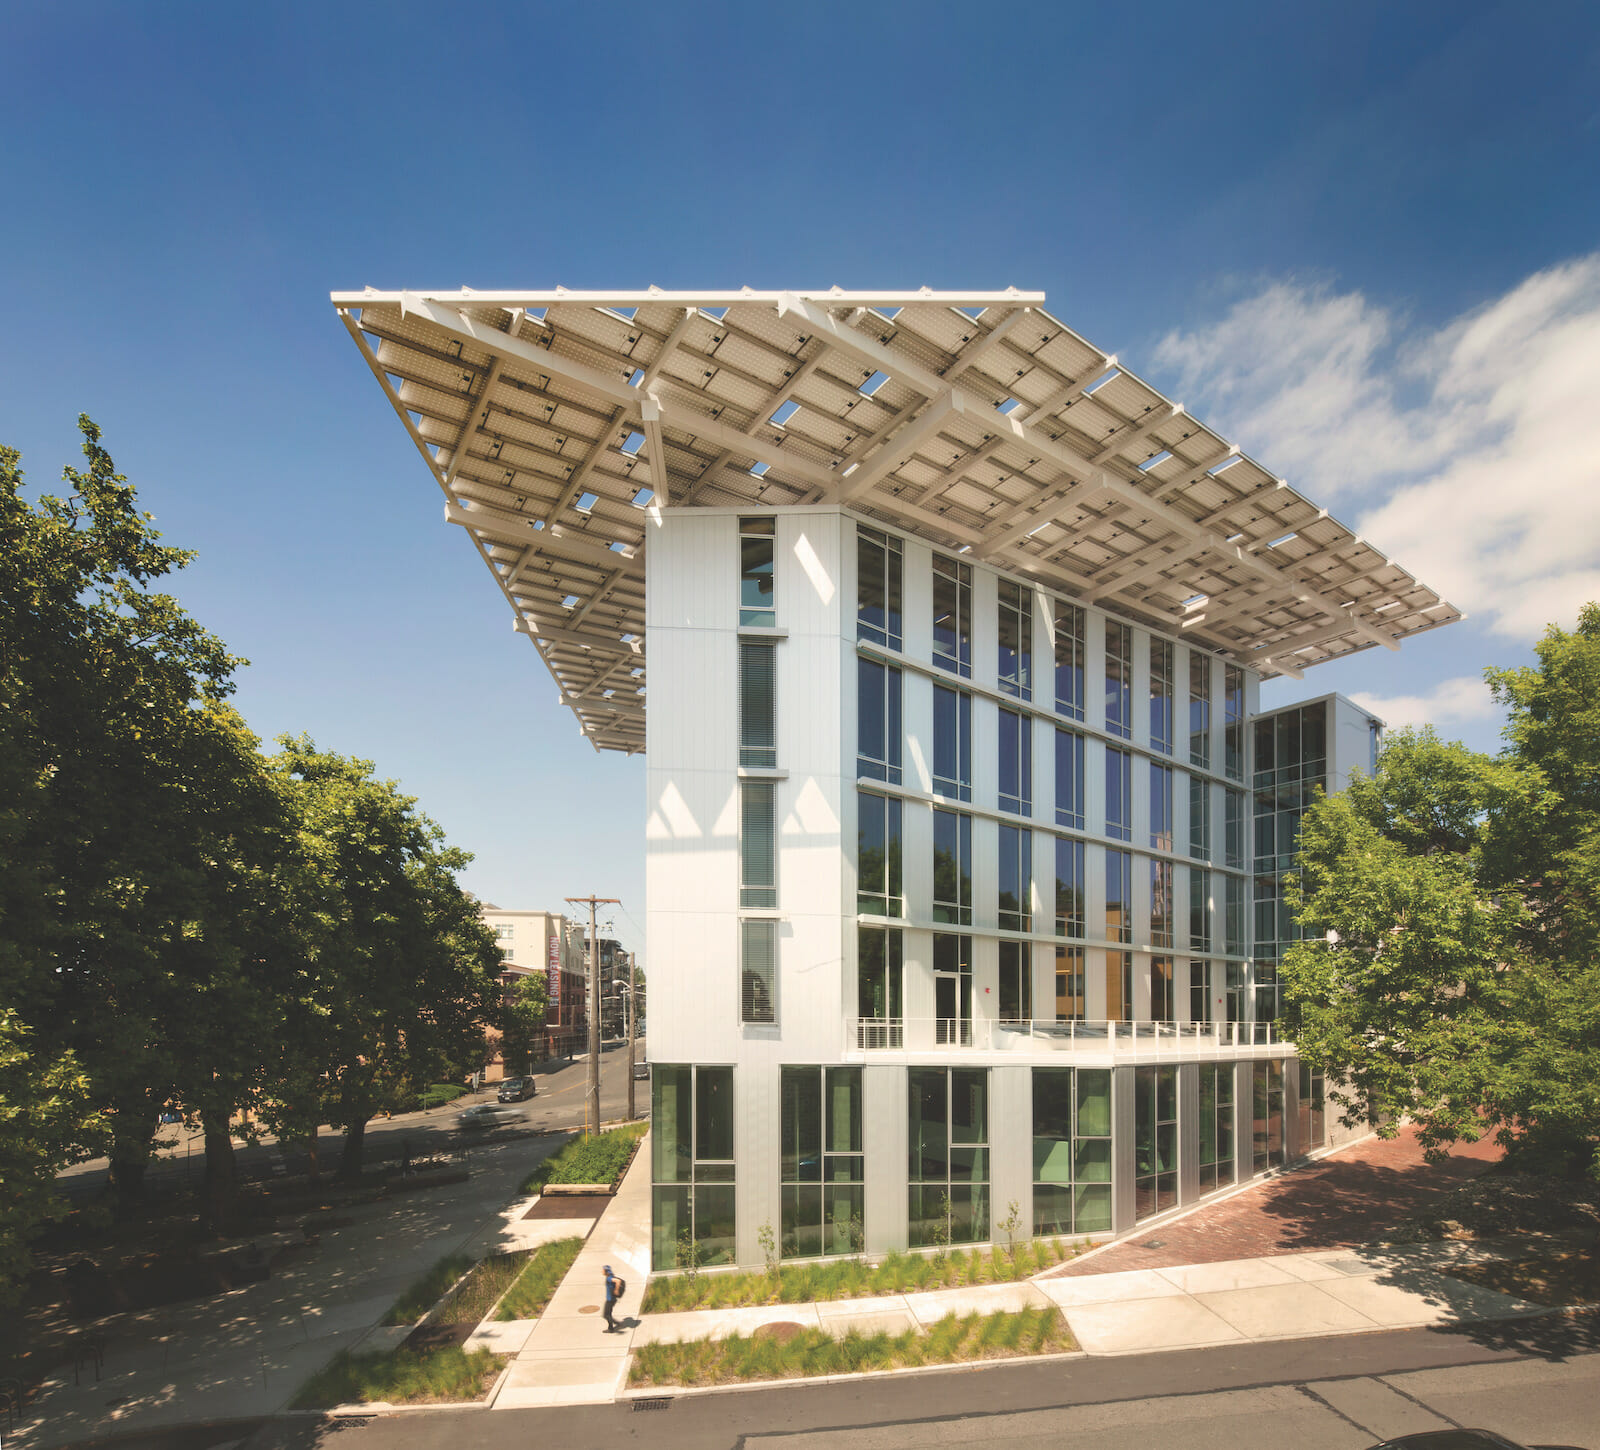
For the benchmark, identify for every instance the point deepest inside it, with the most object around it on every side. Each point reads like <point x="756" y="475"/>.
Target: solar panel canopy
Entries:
<point x="554" y="422"/>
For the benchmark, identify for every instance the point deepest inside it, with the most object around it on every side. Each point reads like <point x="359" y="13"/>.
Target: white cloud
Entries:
<point x="1466" y="697"/>
<point x="1474" y="450"/>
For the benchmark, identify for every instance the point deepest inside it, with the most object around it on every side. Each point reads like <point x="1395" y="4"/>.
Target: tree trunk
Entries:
<point x="313" y="1163"/>
<point x="130" y="1156"/>
<point x="222" y="1183"/>
<point x="355" y="1139"/>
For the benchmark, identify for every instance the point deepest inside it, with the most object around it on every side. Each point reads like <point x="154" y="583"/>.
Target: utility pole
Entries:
<point x="633" y="983"/>
<point x="591" y="1104"/>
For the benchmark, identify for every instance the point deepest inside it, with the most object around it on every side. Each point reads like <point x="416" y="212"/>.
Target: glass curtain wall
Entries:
<point x="691" y="1163"/>
<point x="1216" y="1126"/>
<point x="1161" y="695"/>
<point x="1070" y="631"/>
<point x="952" y="615"/>
<point x="1016" y="640"/>
<point x="879" y="570"/>
<point x="1016" y="763"/>
<point x="821" y="1162"/>
<point x="879" y="881"/>
<point x="880" y="981"/>
<point x="1266" y="1114"/>
<point x="952" y="867"/>
<point x="1155" y="1140"/>
<point x="1119" y="679"/>
<point x="952" y="743"/>
<point x="949" y="1156"/>
<point x="878" y="732"/>
<point x="1071" y="1151"/>
<point x="1069" y="779"/>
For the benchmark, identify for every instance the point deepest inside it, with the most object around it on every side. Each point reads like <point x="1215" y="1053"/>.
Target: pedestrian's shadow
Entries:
<point x="627" y="1321"/>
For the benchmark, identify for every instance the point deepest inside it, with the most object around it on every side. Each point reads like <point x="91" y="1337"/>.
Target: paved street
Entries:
<point x="558" y="1105"/>
<point x="1537" y="1381"/>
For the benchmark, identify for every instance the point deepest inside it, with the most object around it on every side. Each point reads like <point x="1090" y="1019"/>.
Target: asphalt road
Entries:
<point x="1535" y="1381"/>
<point x="558" y="1105"/>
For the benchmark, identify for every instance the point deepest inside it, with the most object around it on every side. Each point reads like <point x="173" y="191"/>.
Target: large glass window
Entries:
<point x="1312" y="1107"/>
<point x="949" y="1158"/>
<point x="1216" y="1125"/>
<point x="880" y="973"/>
<point x="1016" y="981"/>
<point x="756" y="541"/>
<point x="1266" y="1115"/>
<point x="1233" y="922"/>
<point x="1016" y="763"/>
<point x="1016" y="879"/>
<point x="952" y="868"/>
<point x="758" y="843"/>
<point x="1237" y="991"/>
<point x="1233" y="722"/>
<point x="1069" y="779"/>
<point x="691" y="1159"/>
<point x="758" y="712"/>
<point x="952" y="743"/>
<point x="820" y="1145"/>
<point x="1267" y="989"/>
<point x="1199" y="910"/>
<point x="1233" y="828"/>
<point x="879" y="568"/>
<point x="1161" y="989"/>
<point x="1119" y="986"/>
<point x="1161" y="695"/>
<point x="1119" y="678"/>
<point x="1071" y="1151"/>
<point x="1016" y="640"/>
<point x="758" y="971"/>
<point x="878" y="717"/>
<point x="1161" y="906"/>
<point x="879" y="889"/>
<point x="1069" y="887"/>
<point x="1119" y="896"/>
<point x="1200" y="709"/>
<point x="1199" y="991"/>
<point x="1119" y="794"/>
<point x="1155" y="1140"/>
<point x="1070" y="1003"/>
<point x="1160" y="806"/>
<point x="952" y="615"/>
<point x="1069" y="659"/>
<point x="1199" y="818"/>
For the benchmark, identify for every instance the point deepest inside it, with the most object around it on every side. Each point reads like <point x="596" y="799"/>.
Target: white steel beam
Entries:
<point x="896" y="450"/>
<point x="477" y="406"/>
<point x="561" y="296"/>
<point x="582" y="639"/>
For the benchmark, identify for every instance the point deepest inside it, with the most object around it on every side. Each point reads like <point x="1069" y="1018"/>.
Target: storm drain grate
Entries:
<point x="660" y="1402"/>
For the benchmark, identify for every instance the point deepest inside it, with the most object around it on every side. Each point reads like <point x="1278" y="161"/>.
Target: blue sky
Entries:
<point x="1363" y="239"/>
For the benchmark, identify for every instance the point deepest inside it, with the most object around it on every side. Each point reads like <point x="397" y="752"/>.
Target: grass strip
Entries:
<point x="810" y="1352"/>
<point x="425" y="1292"/>
<point x="598" y="1158"/>
<point x="899" y="1273"/>
<point x="530" y="1294"/>
<point x="401" y="1377"/>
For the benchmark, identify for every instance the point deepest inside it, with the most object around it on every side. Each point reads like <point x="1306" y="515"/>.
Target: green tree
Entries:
<point x="522" y="1019"/>
<point x="402" y="977"/>
<point x="1448" y="971"/>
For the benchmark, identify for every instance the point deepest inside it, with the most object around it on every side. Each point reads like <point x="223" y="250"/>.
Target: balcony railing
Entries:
<point x="1143" y="1039"/>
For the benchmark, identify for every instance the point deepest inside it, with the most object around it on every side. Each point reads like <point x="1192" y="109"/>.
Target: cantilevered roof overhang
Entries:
<point x="552" y="421"/>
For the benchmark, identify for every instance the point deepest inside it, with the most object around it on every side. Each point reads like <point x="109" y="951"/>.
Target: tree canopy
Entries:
<point x="1449" y="904"/>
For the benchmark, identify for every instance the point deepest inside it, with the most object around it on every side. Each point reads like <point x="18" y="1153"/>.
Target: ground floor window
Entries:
<point x="1266" y="1114"/>
<point x="691" y="1165"/>
<point x="1312" y="1108"/>
<point x="1071" y="1150"/>
<point x="949" y="1155"/>
<point x="820" y="1139"/>
<point x="1155" y="1140"/>
<point x="1216" y="1125"/>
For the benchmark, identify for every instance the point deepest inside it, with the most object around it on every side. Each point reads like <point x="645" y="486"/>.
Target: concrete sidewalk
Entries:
<point x="567" y="1358"/>
<point x="1290" y="1296"/>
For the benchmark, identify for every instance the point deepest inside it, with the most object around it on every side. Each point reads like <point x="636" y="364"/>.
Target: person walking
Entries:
<point x="614" y="1288"/>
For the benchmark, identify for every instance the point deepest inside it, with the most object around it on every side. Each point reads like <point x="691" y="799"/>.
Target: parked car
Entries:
<point x="517" y="1089"/>
<point x="641" y="1069"/>
<point x="1462" y="1439"/>
<point x="487" y="1115"/>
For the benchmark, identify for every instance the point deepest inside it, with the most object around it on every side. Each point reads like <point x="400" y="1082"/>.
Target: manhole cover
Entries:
<point x="1153" y="1244"/>
<point x="590" y="1309"/>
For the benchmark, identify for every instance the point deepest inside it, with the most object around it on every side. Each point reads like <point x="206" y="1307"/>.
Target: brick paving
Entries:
<point x="1351" y="1197"/>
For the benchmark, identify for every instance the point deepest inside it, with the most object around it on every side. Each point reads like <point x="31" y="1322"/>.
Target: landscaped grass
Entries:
<point x="598" y="1158"/>
<point x="544" y="1272"/>
<point x="472" y="1302"/>
<point x="809" y="1282"/>
<point x="807" y="1352"/>
<point x="425" y="1292"/>
<point x="401" y="1376"/>
<point x="437" y="1094"/>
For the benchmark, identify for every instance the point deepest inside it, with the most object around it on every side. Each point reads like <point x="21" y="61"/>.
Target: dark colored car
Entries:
<point x="642" y="1070"/>
<point x="517" y="1089"/>
<point x="1460" y="1440"/>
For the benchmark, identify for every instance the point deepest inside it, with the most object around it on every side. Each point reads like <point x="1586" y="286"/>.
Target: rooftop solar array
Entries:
<point x="554" y="421"/>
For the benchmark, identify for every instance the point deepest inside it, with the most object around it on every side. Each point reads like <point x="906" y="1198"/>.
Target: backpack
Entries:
<point x="619" y="1287"/>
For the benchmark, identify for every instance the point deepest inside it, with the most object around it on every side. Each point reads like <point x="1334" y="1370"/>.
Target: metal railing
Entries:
<point x="1145" y="1039"/>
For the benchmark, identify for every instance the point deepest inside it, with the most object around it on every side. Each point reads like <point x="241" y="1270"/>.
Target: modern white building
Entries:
<point x="965" y="836"/>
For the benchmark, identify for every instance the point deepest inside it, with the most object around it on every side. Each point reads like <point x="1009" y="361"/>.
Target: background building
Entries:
<point x="548" y="942"/>
<point x="958" y="826"/>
